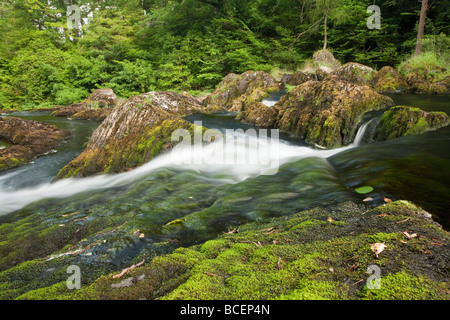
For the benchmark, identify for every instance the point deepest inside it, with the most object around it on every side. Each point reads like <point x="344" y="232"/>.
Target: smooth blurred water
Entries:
<point x="212" y="197"/>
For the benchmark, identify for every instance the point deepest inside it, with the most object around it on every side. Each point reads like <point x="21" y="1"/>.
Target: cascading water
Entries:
<point x="229" y="159"/>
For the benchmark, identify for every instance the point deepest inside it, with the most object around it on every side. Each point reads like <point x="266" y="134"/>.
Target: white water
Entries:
<point x="238" y="157"/>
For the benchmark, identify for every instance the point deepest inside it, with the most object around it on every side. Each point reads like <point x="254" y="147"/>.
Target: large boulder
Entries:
<point x="296" y="78"/>
<point x="425" y="74"/>
<point x="133" y="133"/>
<point x="403" y="120"/>
<point x="356" y="73"/>
<point x="96" y="107"/>
<point x="328" y="113"/>
<point x="321" y="65"/>
<point x="27" y="139"/>
<point x="235" y="91"/>
<point x="388" y="80"/>
<point x="326" y="58"/>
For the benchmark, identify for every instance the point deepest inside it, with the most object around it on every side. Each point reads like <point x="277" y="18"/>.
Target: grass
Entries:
<point x="426" y="64"/>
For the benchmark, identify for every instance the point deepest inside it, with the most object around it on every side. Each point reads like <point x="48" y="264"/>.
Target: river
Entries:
<point x="211" y="198"/>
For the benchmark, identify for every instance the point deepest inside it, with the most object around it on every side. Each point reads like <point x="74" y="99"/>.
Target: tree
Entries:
<point x="420" y="32"/>
<point x="334" y="11"/>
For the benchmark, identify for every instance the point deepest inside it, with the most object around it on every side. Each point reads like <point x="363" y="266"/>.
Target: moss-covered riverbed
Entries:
<point x="315" y="254"/>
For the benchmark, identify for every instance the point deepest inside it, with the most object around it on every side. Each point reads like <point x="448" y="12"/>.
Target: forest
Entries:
<point x="48" y="57"/>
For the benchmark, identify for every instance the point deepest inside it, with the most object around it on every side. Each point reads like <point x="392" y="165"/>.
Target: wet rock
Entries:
<point x="133" y="133"/>
<point x="259" y="115"/>
<point x="356" y="73"/>
<point x="96" y="107"/>
<point x="29" y="139"/>
<point x="328" y="113"/>
<point x="403" y="120"/>
<point x="236" y="91"/>
<point x="388" y="80"/>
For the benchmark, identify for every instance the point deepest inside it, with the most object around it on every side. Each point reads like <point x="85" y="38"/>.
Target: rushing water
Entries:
<point x="214" y="196"/>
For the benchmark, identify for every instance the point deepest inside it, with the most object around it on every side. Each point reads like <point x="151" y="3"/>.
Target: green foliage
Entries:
<point x="190" y="45"/>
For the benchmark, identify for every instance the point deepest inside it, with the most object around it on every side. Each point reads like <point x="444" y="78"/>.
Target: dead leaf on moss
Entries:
<point x="377" y="248"/>
<point x="409" y="236"/>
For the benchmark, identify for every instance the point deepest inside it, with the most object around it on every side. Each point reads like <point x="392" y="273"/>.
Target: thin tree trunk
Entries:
<point x="325" y="44"/>
<point x="420" y="33"/>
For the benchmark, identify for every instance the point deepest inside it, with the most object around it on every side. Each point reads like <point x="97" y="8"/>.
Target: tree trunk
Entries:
<point x="325" y="43"/>
<point x="423" y="16"/>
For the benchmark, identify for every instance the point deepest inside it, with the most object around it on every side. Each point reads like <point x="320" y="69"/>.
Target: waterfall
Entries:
<point x="361" y="133"/>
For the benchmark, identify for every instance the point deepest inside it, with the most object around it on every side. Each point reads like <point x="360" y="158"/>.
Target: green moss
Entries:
<point x="404" y="286"/>
<point x="404" y="120"/>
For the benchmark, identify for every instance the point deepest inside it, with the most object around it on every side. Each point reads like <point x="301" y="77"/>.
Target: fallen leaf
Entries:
<point x="141" y="235"/>
<point x="330" y="219"/>
<point x="231" y="231"/>
<point x="368" y="199"/>
<point x="387" y="200"/>
<point x="364" y="190"/>
<point x="377" y="248"/>
<point x="409" y="236"/>
<point x="382" y="215"/>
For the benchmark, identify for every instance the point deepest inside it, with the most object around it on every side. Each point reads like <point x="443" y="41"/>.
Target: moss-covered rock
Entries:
<point x="236" y="91"/>
<point x="97" y="106"/>
<point x="259" y="114"/>
<point x="133" y="133"/>
<point x="27" y="139"/>
<point x="403" y="120"/>
<point x="296" y="78"/>
<point x="323" y="253"/>
<point x="328" y="113"/>
<point x="388" y="79"/>
<point x="426" y="73"/>
<point x="356" y="73"/>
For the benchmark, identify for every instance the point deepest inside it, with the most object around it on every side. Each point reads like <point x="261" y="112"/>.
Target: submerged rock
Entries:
<point x="388" y="79"/>
<point x="96" y="107"/>
<point x="236" y="91"/>
<point x="133" y="133"/>
<point x="403" y="120"/>
<point x="328" y="113"/>
<point x="29" y="139"/>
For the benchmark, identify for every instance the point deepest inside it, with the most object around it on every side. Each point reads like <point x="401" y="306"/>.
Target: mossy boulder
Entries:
<point x="426" y="83"/>
<point x="328" y="113"/>
<point x="296" y="78"/>
<point x="388" y="80"/>
<point x="426" y="73"/>
<point x="259" y="115"/>
<point x="133" y="133"/>
<point x="403" y="120"/>
<point x="26" y="140"/>
<point x="96" y="107"/>
<point x="236" y="91"/>
<point x="356" y="73"/>
<point x="322" y="253"/>
<point x="324" y="58"/>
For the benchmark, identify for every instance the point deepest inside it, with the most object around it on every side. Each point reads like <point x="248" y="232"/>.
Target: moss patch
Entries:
<point x="314" y="254"/>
